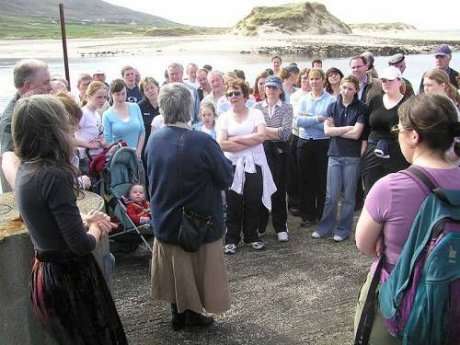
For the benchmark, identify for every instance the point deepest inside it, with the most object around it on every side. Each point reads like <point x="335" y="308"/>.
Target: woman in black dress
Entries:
<point x="68" y="291"/>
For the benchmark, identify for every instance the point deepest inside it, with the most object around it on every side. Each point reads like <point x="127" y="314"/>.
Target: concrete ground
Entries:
<point x="300" y="292"/>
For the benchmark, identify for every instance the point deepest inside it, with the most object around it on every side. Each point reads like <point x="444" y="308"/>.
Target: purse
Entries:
<point x="194" y="227"/>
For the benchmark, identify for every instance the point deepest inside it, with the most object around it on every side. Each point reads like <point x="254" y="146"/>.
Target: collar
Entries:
<point x="277" y="104"/>
<point x="179" y="125"/>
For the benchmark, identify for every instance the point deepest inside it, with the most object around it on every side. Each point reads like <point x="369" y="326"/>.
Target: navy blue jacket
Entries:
<point x="357" y="111"/>
<point x="204" y="173"/>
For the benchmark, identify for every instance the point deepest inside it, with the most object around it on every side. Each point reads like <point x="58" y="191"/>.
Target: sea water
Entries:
<point x="154" y="66"/>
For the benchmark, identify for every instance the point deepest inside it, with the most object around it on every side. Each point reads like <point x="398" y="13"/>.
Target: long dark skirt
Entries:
<point x="72" y="300"/>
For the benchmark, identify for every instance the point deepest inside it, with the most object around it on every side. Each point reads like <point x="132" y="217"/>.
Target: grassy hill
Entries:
<point x="84" y="19"/>
<point x="307" y="17"/>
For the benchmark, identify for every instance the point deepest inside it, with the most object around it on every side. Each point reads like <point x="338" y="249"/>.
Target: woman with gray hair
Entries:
<point x="187" y="172"/>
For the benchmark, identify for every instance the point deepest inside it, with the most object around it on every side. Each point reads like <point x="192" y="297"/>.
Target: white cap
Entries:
<point x="390" y="73"/>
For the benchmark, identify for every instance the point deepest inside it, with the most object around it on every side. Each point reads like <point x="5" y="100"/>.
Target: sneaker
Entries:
<point x="258" y="245"/>
<point x="338" y="238"/>
<point x="230" y="249"/>
<point x="316" y="235"/>
<point x="283" y="236"/>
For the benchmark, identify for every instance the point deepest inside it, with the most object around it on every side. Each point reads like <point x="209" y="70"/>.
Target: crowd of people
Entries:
<point x="299" y="140"/>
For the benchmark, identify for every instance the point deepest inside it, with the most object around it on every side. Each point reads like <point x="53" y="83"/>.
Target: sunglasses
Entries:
<point x="233" y="94"/>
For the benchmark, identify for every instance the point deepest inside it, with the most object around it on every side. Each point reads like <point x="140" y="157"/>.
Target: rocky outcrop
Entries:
<point x="374" y="27"/>
<point x="308" y="17"/>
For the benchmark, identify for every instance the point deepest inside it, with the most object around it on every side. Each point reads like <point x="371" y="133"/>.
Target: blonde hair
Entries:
<point x="94" y="87"/>
<point x="441" y="77"/>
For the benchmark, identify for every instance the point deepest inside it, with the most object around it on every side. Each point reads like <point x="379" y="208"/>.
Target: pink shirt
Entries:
<point x="394" y="201"/>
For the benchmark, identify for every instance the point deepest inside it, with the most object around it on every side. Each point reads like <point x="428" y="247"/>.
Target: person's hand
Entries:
<point x="85" y="181"/>
<point x="96" y="216"/>
<point x="139" y="155"/>
<point x="321" y="118"/>
<point x="330" y="122"/>
<point x="144" y="220"/>
<point x="93" y="144"/>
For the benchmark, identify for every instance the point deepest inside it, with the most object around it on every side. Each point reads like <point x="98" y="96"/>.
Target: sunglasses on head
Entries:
<point x="233" y="93"/>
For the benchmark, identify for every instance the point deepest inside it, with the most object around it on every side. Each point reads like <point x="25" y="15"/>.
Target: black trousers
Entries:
<point x="277" y="156"/>
<point x="374" y="168"/>
<point x="293" y="173"/>
<point x="244" y="211"/>
<point x="312" y="163"/>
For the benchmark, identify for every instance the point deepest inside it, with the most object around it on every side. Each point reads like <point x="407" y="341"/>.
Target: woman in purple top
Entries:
<point x="427" y="127"/>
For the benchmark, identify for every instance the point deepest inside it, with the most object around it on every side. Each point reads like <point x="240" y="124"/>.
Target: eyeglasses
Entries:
<point x="233" y="94"/>
<point x="358" y="67"/>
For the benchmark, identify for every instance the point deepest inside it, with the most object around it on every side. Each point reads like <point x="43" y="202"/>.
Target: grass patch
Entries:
<point x="48" y="28"/>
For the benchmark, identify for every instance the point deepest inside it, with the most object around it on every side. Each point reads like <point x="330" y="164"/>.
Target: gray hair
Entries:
<point x="175" y="102"/>
<point x="176" y="65"/>
<point x="218" y="73"/>
<point x="25" y="70"/>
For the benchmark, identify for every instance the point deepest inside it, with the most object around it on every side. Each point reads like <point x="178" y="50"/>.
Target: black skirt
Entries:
<point x="72" y="300"/>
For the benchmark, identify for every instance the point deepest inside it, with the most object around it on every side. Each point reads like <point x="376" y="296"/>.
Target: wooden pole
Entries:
<point x="64" y="44"/>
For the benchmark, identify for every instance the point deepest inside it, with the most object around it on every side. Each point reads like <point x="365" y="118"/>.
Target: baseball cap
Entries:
<point x="390" y="73"/>
<point x="443" y="50"/>
<point x="395" y="59"/>
<point x="274" y="81"/>
<point x="99" y="71"/>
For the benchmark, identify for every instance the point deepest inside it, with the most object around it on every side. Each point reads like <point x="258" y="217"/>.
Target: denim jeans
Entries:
<point x="342" y="176"/>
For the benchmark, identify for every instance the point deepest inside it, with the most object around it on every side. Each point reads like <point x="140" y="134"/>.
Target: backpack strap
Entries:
<point x="420" y="175"/>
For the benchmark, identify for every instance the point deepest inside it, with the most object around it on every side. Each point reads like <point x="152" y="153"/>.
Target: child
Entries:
<point x="208" y="119"/>
<point x="137" y="207"/>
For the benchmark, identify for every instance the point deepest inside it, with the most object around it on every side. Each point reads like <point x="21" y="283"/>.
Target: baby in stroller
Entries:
<point x="137" y="207"/>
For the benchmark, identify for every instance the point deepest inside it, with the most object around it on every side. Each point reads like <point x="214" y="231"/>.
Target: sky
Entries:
<point x="424" y="14"/>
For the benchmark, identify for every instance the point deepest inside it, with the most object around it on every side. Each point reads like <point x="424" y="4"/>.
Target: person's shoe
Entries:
<point x="230" y="249"/>
<point x="315" y="235"/>
<point x="339" y="238"/>
<point x="283" y="236"/>
<point x="193" y="319"/>
<point x="178" y="319"/>
<point x="258" y="245"/>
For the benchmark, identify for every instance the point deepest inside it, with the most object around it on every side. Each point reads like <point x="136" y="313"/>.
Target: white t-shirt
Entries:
<point x="90" y="128"/>
<point x="233" y="128"/>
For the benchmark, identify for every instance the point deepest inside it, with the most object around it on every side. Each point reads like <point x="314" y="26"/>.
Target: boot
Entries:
<point x="178" y="319"/>
<point x="193" y="319"/>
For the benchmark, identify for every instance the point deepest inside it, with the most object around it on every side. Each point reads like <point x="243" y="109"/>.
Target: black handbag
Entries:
<point x="193" y="230"/>
<point x="194" y="227"/>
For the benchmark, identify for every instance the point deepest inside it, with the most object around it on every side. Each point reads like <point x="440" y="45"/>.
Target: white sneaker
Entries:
<point x="315" y="235"/>
<point x="283" y="236"/>
<point x="338" y="238"/>
<point x="230" y="249"/>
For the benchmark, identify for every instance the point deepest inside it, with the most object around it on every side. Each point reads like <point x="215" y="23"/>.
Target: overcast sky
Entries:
<point x="424" y="14"/>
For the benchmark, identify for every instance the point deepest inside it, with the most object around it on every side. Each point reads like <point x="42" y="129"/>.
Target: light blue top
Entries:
<point x="202" y="128"/>
<point x="116" y="129"/>
<point x="306" y="115"/>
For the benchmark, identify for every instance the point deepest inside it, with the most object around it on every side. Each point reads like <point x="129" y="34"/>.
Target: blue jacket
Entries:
<point x="204" y="173"/>
<point x="307" y="115"/>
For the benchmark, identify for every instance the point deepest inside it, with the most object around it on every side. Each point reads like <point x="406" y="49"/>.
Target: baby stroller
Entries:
<point x="122" y="170"/>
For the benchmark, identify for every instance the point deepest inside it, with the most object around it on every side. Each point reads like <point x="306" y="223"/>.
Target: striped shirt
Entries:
<point x="279" y="116"/>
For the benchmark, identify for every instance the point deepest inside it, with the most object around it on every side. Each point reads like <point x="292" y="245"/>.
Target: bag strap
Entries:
<point x="421" y="175"/>
<point x="180" y="153"/>
<point x="366" y="320"/>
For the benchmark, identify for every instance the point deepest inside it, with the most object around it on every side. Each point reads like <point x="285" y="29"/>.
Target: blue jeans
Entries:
<point x="342" y="176"/>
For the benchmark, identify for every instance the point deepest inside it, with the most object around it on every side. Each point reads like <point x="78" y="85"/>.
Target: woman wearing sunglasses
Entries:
<point x="240" y="135"/>
<point x="383" y="155"/>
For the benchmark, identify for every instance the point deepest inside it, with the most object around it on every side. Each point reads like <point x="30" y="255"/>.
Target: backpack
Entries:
<point x="420" y="300"/>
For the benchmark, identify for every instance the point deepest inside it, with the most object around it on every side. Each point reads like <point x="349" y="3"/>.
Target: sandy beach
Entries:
<point x="381" y="43"/>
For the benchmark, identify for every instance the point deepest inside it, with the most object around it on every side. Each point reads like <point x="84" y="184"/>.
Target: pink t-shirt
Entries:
<point x="394" y="201"/>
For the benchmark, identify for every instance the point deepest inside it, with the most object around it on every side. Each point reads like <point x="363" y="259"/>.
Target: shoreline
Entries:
<point x="301" y="45"/>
